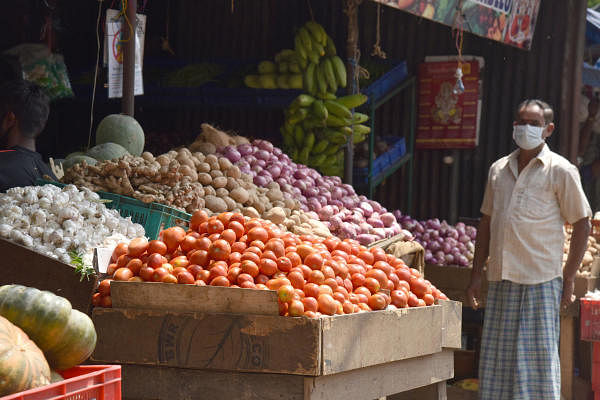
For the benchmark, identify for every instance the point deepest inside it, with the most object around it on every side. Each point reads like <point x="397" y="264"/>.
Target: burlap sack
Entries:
<point x="412" y="253"/>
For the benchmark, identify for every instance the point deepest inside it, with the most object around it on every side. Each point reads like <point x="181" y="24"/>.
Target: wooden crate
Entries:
<point x="162" y="383"/>
<point x="454" y="281"/>
<point x="23" y="266"/>
<point x="200" y="331"/>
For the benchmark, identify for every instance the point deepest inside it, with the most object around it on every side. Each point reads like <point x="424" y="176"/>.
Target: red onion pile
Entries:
<point x="326" y="198"/>
<point x="444" y="244"/>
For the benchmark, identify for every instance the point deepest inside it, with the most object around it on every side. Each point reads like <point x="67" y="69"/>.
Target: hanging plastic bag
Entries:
<point x="44" y="68"/>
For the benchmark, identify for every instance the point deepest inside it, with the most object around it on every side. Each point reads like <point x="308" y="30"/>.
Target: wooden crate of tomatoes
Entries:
<point x="240" y="295"/>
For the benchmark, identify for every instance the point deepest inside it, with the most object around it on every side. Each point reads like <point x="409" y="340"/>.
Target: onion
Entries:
<point x="232" y="154"/>
<point x="274" y="170"/>
<point x="300" y="174"/>
<point x="264" y="145"/>
<point x="245" y="149"/>
<point x="263" y="155"/>
<point x="261" y="180"/>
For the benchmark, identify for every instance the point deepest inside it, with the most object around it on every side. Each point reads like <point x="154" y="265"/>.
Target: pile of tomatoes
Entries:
<point x="312" y="276"/>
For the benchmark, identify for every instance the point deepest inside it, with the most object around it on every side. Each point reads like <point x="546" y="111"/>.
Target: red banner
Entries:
<point x="446" y="119"/>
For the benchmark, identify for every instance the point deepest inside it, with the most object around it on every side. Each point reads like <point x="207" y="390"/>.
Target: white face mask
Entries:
<point x="528" y="137"/>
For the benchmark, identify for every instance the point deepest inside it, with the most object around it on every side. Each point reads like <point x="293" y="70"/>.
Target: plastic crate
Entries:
<point x="590" y="319"/>
<point x="85" y="382"/>
<point x="387" y="82"/>
<point x="396" y="151"/>
<point x="154" y="217"/>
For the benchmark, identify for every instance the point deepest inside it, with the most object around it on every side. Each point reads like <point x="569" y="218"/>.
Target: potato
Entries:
<point x="219" y="182"/>
<point x="209" y="191"/>
<point x="215" y="204"/>
<point x="250" y="212"/>
<point x="231" y="184"/>
<point x="148" y="156"/>
<point x="224" y="164"/>
<point x="163" y="160"/>
<point x="204" y="167"/>
<point x="213" y="161"/>
<point x="240" y="195"/>
<point x="205" y="178"/>
<point x="233" y="172"/>
<point x="275" y="195"/>
<point x="276" y="215"/>
<point x="215" y="173"/>
<point x="222" y="192"/>
<point x="230" y="203"/>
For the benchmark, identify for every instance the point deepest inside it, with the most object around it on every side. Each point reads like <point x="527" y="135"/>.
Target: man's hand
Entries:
<point x="474" y="291"/>
<point x="567" y="295"/>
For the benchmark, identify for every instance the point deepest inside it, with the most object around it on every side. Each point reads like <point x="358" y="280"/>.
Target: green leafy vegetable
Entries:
<point x="81" y="269"/>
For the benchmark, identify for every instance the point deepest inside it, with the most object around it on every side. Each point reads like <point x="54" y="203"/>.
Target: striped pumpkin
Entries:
<point x="66" y="336"/>
<point x="22" y="363"/>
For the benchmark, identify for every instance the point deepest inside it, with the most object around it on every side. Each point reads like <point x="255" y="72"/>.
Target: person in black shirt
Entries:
<point x="24" y="109"/>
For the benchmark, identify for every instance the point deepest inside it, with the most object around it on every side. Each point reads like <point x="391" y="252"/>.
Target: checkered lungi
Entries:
<point x="519" y="349"/>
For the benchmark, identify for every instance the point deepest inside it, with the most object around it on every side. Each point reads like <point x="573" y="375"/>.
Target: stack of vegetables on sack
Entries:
<point x="326" y="198"/>
<point x="190" y="179"/>
<point x="40" y="334"/>
<point x="65" y="224"/>
<point x="444" y="244"/>
<point x="313" y="276"/>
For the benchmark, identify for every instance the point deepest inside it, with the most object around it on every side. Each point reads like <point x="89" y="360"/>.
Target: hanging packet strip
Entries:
<point x="118" y="31"/>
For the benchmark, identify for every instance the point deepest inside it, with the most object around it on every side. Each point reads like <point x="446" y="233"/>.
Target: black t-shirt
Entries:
<point x="21" y="167"/>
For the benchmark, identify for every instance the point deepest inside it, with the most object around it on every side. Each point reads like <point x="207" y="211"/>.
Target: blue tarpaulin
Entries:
<point x="591" y="75"/>
<point x="592" y="31"/>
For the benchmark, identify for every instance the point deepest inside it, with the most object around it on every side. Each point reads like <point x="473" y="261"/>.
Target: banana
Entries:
<point x="310" y="79"/>
<point x="346" y="130"/>
<point x="295" y="81"/>
<point x="359" y="118"/>
<point x="303" y="155"/>
<point x="298" y="136"/>
<point x="283" y="82"/>
<point x="252" y="81"/>
<point x="317" y="31"/>
<point x="309" y="141"/>
<point x="313" y="56"/>
<point x="317" y="160"/>
<point x="326" y="96"/>
<point x="283" y="67"/>
<point x="361" y="129"/>
<point x="353" y="100"/>
<point x="294" y="68"/>
<point x="268" y="81"/>
<point x="303" y="100"/>
<point x="337" y="109"/>
<point x="294" y="153"/>
<point x="335" y="136"/>
<point x="298" y="116"/>
<point x="330" y="49"/>
<point x="320" y="147"/>
<point x="358" y="137"/>
<point x="305" y="38"/>
<point x="319" y="111"/>
<point x="333" y="148"/>
<point x="267" y="67"/>
<point x="339" y="68"/>
<point x="285" y="55"/>
<point x="300" y="49"/>
<point x="321" y="81"/>
<point x="337" y="122"/>
<point x="329" y="75"/>
<point x="319" y="49"/>
<point x="288" y="138"/>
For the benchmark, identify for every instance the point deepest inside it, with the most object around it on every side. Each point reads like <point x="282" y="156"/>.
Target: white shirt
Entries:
<point x="528" y="213"/>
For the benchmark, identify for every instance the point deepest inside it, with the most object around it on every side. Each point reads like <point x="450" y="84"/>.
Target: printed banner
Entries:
<point x="113" y="52"/>
<point x="509" y="21"/>
<point x="447" y="120"/>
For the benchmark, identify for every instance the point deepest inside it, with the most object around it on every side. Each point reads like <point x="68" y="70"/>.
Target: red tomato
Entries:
<point x="104" y="287"/>
<point x="250" y="268"/>
<point x="296" y="308"/>
<point x="220" y="281"/>
<point x="284" y="264"/>
<point x="310" y="304"/>
<point x="219" y="250"/>
<point x="185" y="278"/>
<point x="316" y="277"/>
<point x="327" y="304"/>
<point x="377" y="302"/>
<point x="373" y="285"/>
<point x="399" y="298"/>
<point x="214" y="226"/>
<point x="200" y="257"/>
<point x="267" y="266"/>
<point x="122" y="274"/>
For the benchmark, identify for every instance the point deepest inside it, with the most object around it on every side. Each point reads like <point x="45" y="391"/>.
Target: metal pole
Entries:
<point x="127" y="103"/>
<point x="351" y="10"/>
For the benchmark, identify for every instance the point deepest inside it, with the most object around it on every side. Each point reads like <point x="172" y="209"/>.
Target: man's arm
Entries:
<point x="482" y="250"/>
<point x="579" y="242"/>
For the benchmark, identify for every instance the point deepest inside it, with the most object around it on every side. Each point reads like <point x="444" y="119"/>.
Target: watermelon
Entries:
<point x="107" y="151"/>
<point x="72" y="160"/>
<point x="123" y="130"/>
<point x="76" y="153"/>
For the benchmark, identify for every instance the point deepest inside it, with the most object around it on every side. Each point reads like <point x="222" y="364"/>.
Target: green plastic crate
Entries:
<point x="154" y="217"/>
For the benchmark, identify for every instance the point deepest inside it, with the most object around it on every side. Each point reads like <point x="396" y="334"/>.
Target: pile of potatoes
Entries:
<point x="593" y="251"/>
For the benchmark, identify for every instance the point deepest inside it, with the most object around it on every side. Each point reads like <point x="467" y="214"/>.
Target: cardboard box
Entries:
<point x="23" y="266"/>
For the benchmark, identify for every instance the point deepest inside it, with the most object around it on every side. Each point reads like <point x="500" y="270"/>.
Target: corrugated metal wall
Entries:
<point x="258" y="29"/>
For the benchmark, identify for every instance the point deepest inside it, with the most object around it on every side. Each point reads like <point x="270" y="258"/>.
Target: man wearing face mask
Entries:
<point x="23" y="114"/>
<point x="529" y="196"/>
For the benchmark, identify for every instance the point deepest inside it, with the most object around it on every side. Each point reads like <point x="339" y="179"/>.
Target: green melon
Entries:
<point x="69" y="162"/>
<point x="123" y="130"/>
<point x="74" y="154"/>
<point x="107" y="151"/>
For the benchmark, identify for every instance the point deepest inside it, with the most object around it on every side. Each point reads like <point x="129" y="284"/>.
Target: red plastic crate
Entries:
<point x="590" y="319"/>
<point x="85" y="382"/>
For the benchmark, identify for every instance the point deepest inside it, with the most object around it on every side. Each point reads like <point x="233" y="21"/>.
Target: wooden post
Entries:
<point x="353" y="56"/>
<point x="567" y="350"/>
<point x="127" y="102"/>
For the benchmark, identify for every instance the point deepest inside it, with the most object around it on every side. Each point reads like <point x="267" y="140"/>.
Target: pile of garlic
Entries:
<point x="56" y="222"/>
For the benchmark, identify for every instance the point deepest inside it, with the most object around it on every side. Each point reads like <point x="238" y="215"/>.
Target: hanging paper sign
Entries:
<point x="508" y="21"/>
<point x="447" y="120"/>
<point x="117" y="32"/>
